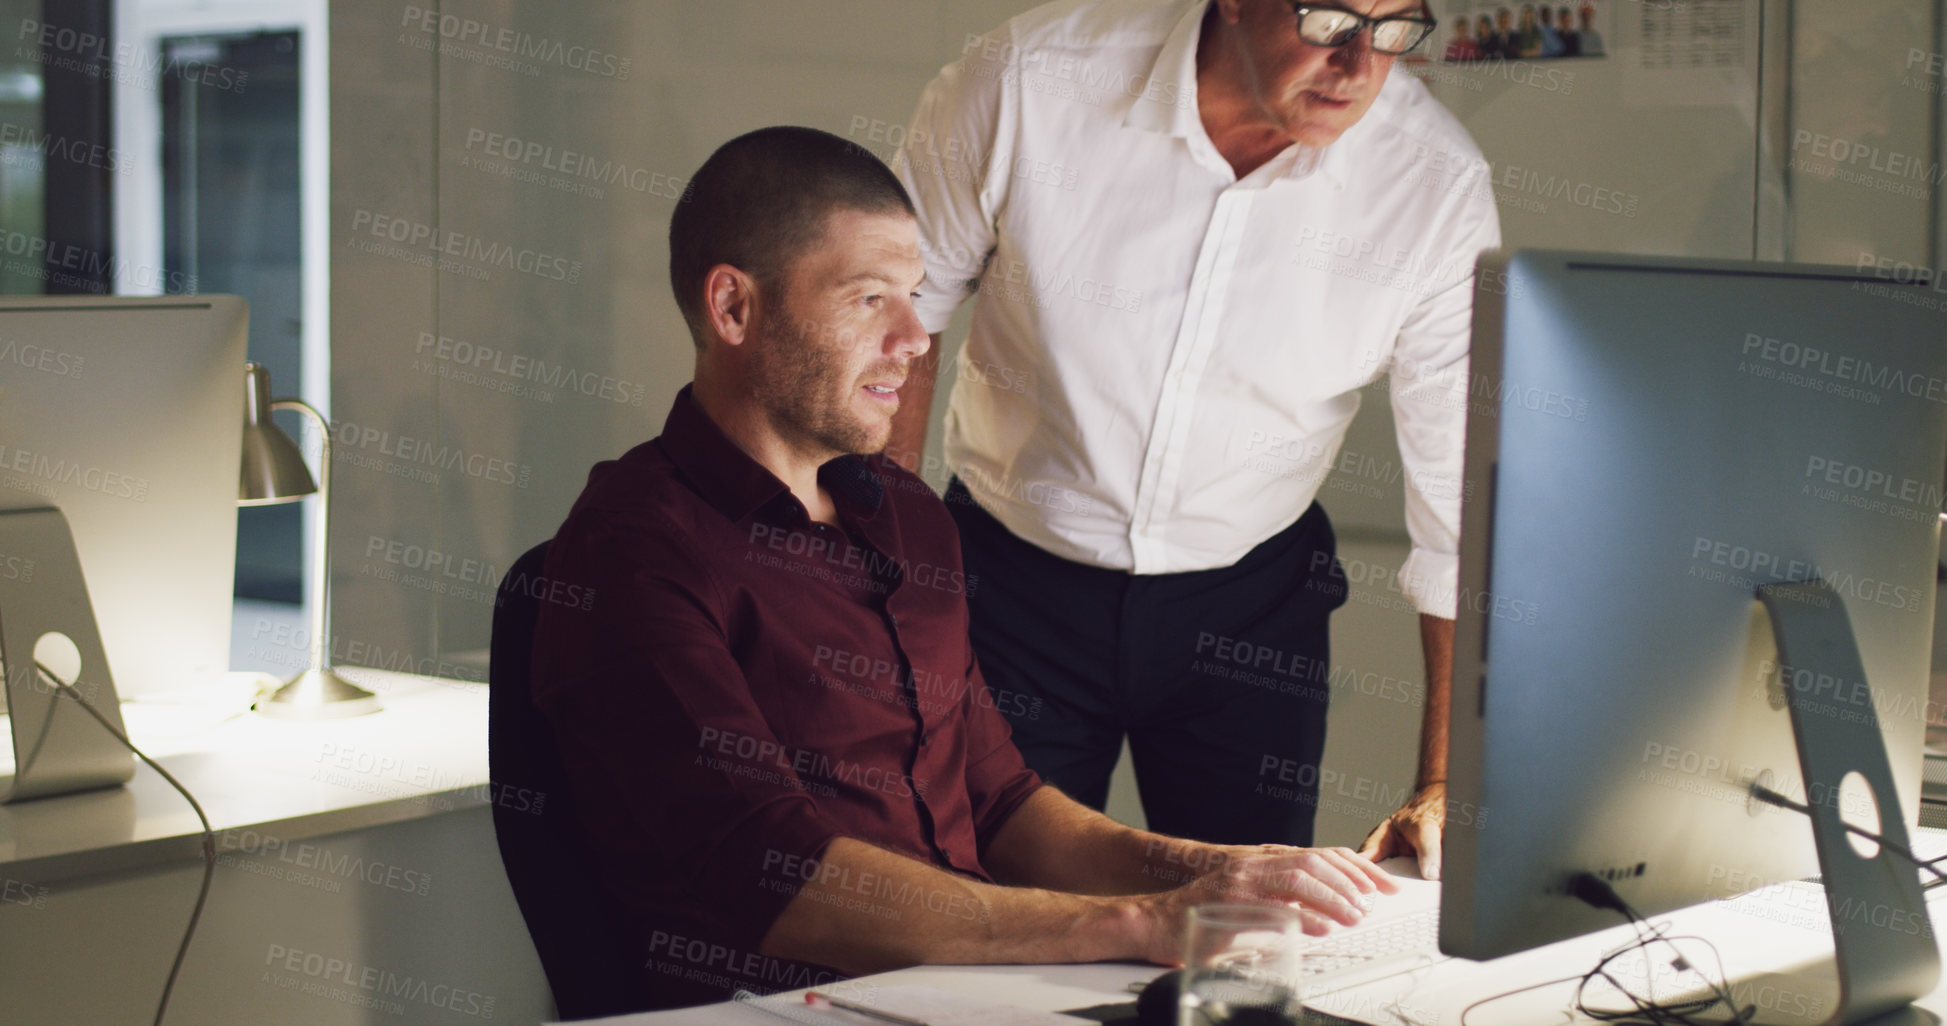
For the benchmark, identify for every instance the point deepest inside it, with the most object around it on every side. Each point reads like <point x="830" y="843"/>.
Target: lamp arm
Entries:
<point x="321" y="543"/>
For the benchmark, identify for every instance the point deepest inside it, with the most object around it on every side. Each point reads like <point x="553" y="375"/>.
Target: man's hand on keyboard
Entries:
<point x="1415" y="828"/>
<point x="1327" y="885"/>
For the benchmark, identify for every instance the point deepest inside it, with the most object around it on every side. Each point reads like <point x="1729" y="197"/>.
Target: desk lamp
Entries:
<point x="273" y="472"/>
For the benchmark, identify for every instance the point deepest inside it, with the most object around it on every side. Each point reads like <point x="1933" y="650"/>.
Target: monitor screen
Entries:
<point x="1650" y="441"/>
<point x="127" y="415"/>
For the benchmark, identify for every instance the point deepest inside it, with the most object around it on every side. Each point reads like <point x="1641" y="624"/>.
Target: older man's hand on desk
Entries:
<point x="1413" y="830"/>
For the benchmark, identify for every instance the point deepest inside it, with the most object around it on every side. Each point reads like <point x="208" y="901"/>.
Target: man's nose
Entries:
<point x="909" y="337"/>
<point x="1355" y="55"/>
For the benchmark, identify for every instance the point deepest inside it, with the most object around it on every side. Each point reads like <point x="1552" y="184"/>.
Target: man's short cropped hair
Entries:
<point x="761" y="200"/>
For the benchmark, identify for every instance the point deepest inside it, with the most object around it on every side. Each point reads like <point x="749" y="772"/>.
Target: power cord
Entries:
<point x="209" y="836"/>
<point x="1595" y="892"/>
<point x="1770" y="797"/>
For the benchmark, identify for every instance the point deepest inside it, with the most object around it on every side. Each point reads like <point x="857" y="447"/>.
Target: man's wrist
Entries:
<point x="1121" y="928"/>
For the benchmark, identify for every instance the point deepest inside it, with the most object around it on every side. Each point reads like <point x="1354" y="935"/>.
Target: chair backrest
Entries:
<point x="575" y="925"/>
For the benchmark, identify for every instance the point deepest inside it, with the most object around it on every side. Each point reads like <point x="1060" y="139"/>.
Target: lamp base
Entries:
<point x="318" y="694"/>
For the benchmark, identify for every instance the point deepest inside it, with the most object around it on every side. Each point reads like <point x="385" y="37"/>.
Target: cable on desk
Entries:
<point x="1594" y="892"/>
<point x="209" y="836"/>
<point x="1770" y="797"/>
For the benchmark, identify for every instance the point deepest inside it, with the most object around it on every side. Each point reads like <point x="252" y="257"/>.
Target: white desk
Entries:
<point x="1767" y="930"/>
<point x="366" y="841"/>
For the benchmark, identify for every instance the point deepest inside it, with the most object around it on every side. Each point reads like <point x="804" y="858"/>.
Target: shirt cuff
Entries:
<point x="1432" y="581"/>
<point x="760" y="865"/>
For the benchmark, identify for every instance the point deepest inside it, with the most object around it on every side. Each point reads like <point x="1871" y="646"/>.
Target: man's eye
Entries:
<point x="872" y="300"/>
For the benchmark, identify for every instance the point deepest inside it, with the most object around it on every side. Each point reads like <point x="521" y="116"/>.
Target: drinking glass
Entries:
<point x="1241" y="966"/>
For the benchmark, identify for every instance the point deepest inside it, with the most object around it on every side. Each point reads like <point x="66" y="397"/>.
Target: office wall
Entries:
<point x="502" y="317"/>
<point x="502" y="182"/>
<point x="409" y="923"/>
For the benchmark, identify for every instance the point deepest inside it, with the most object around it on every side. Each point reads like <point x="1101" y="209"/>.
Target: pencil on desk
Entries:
<point x="787" y="1012"/>
<point x="813" y="997"/>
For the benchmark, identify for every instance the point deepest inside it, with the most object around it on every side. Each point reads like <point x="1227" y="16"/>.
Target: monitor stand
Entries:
<point x="58" y="748"/>
<point x="1881" y="968"/>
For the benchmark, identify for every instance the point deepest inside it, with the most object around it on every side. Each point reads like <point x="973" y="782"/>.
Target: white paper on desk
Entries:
<point x="929" y="1005"/>
<point x="933" y="1007"/>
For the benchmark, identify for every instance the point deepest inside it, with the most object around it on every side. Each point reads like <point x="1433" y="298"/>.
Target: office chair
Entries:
<point x="575" y="926"/>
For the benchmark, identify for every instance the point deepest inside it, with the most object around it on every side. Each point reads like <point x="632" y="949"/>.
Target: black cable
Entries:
<point x="1598" y="894"/>
<point x="209" y="836"/>
<point x="1770" y="797"/>
<point x="1522" y="990"/>
<point x="1595" y="892"/>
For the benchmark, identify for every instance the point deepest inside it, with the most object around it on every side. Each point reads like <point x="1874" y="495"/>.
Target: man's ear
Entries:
<point x="1232" y="11"/>
<point x="729" y="298"/>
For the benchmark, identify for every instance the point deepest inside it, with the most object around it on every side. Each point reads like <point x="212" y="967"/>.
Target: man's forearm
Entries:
<point x="1436" y="639"/>
<point x="1053" y="841"/>
<point x="868" y="910"/>
<point x="907" y="445"/>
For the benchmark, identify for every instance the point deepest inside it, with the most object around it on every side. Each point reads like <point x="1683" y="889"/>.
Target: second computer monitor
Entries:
<point x="127" y="415"/>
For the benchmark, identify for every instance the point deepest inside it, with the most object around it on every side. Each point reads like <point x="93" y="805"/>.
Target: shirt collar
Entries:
<point x="736" y="485"/>
<point x="1169" y="104"/>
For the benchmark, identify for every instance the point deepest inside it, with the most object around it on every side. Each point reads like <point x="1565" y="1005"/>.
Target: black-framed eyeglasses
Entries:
<point x="1336" y="26"/>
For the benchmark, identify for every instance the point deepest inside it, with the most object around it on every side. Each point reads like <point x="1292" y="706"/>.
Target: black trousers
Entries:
<point x="1219" y="678"/>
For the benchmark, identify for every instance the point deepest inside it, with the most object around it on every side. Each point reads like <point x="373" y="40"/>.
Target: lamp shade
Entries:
<point x="273" y="471"/>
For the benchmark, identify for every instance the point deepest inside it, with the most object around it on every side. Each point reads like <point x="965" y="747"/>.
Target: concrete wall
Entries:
<point x="502" y="182"/>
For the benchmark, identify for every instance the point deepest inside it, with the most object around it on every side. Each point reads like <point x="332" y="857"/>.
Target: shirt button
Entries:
<point x="892" y="619"/>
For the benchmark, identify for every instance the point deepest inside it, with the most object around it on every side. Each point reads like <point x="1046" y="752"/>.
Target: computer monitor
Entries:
<point x="1650" y="442"/>
<point x="127" y="415"/>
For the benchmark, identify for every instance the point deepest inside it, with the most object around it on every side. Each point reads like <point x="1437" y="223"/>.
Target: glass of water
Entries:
<point x="1241" y="966"/>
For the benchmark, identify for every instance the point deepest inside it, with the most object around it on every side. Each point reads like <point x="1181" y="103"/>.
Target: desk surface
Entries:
<point x="261" y="780"/>
<point x="1778" y="928"/>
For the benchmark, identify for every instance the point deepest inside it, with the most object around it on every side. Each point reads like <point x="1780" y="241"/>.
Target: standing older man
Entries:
<point x="779" y="741"/>
<point x="1197" y="228"/>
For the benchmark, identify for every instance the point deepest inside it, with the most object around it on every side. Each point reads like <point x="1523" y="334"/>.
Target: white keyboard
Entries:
<point x="1349" y="956"/>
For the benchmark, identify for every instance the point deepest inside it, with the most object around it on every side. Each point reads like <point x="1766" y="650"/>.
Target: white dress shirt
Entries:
<point x="1164" y="358"/>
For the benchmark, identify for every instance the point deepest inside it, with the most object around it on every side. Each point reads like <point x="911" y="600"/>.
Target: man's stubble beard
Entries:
<point x="798" y="381"/>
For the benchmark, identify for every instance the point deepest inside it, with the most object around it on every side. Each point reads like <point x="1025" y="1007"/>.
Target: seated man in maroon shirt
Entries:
<point x="783" y="750"/>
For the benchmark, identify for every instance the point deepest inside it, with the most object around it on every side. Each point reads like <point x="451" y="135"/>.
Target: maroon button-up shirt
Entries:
<point x="743" y="685"/>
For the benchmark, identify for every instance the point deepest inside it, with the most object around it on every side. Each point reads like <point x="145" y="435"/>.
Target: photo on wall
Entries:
<point x="1486" y="30"/>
